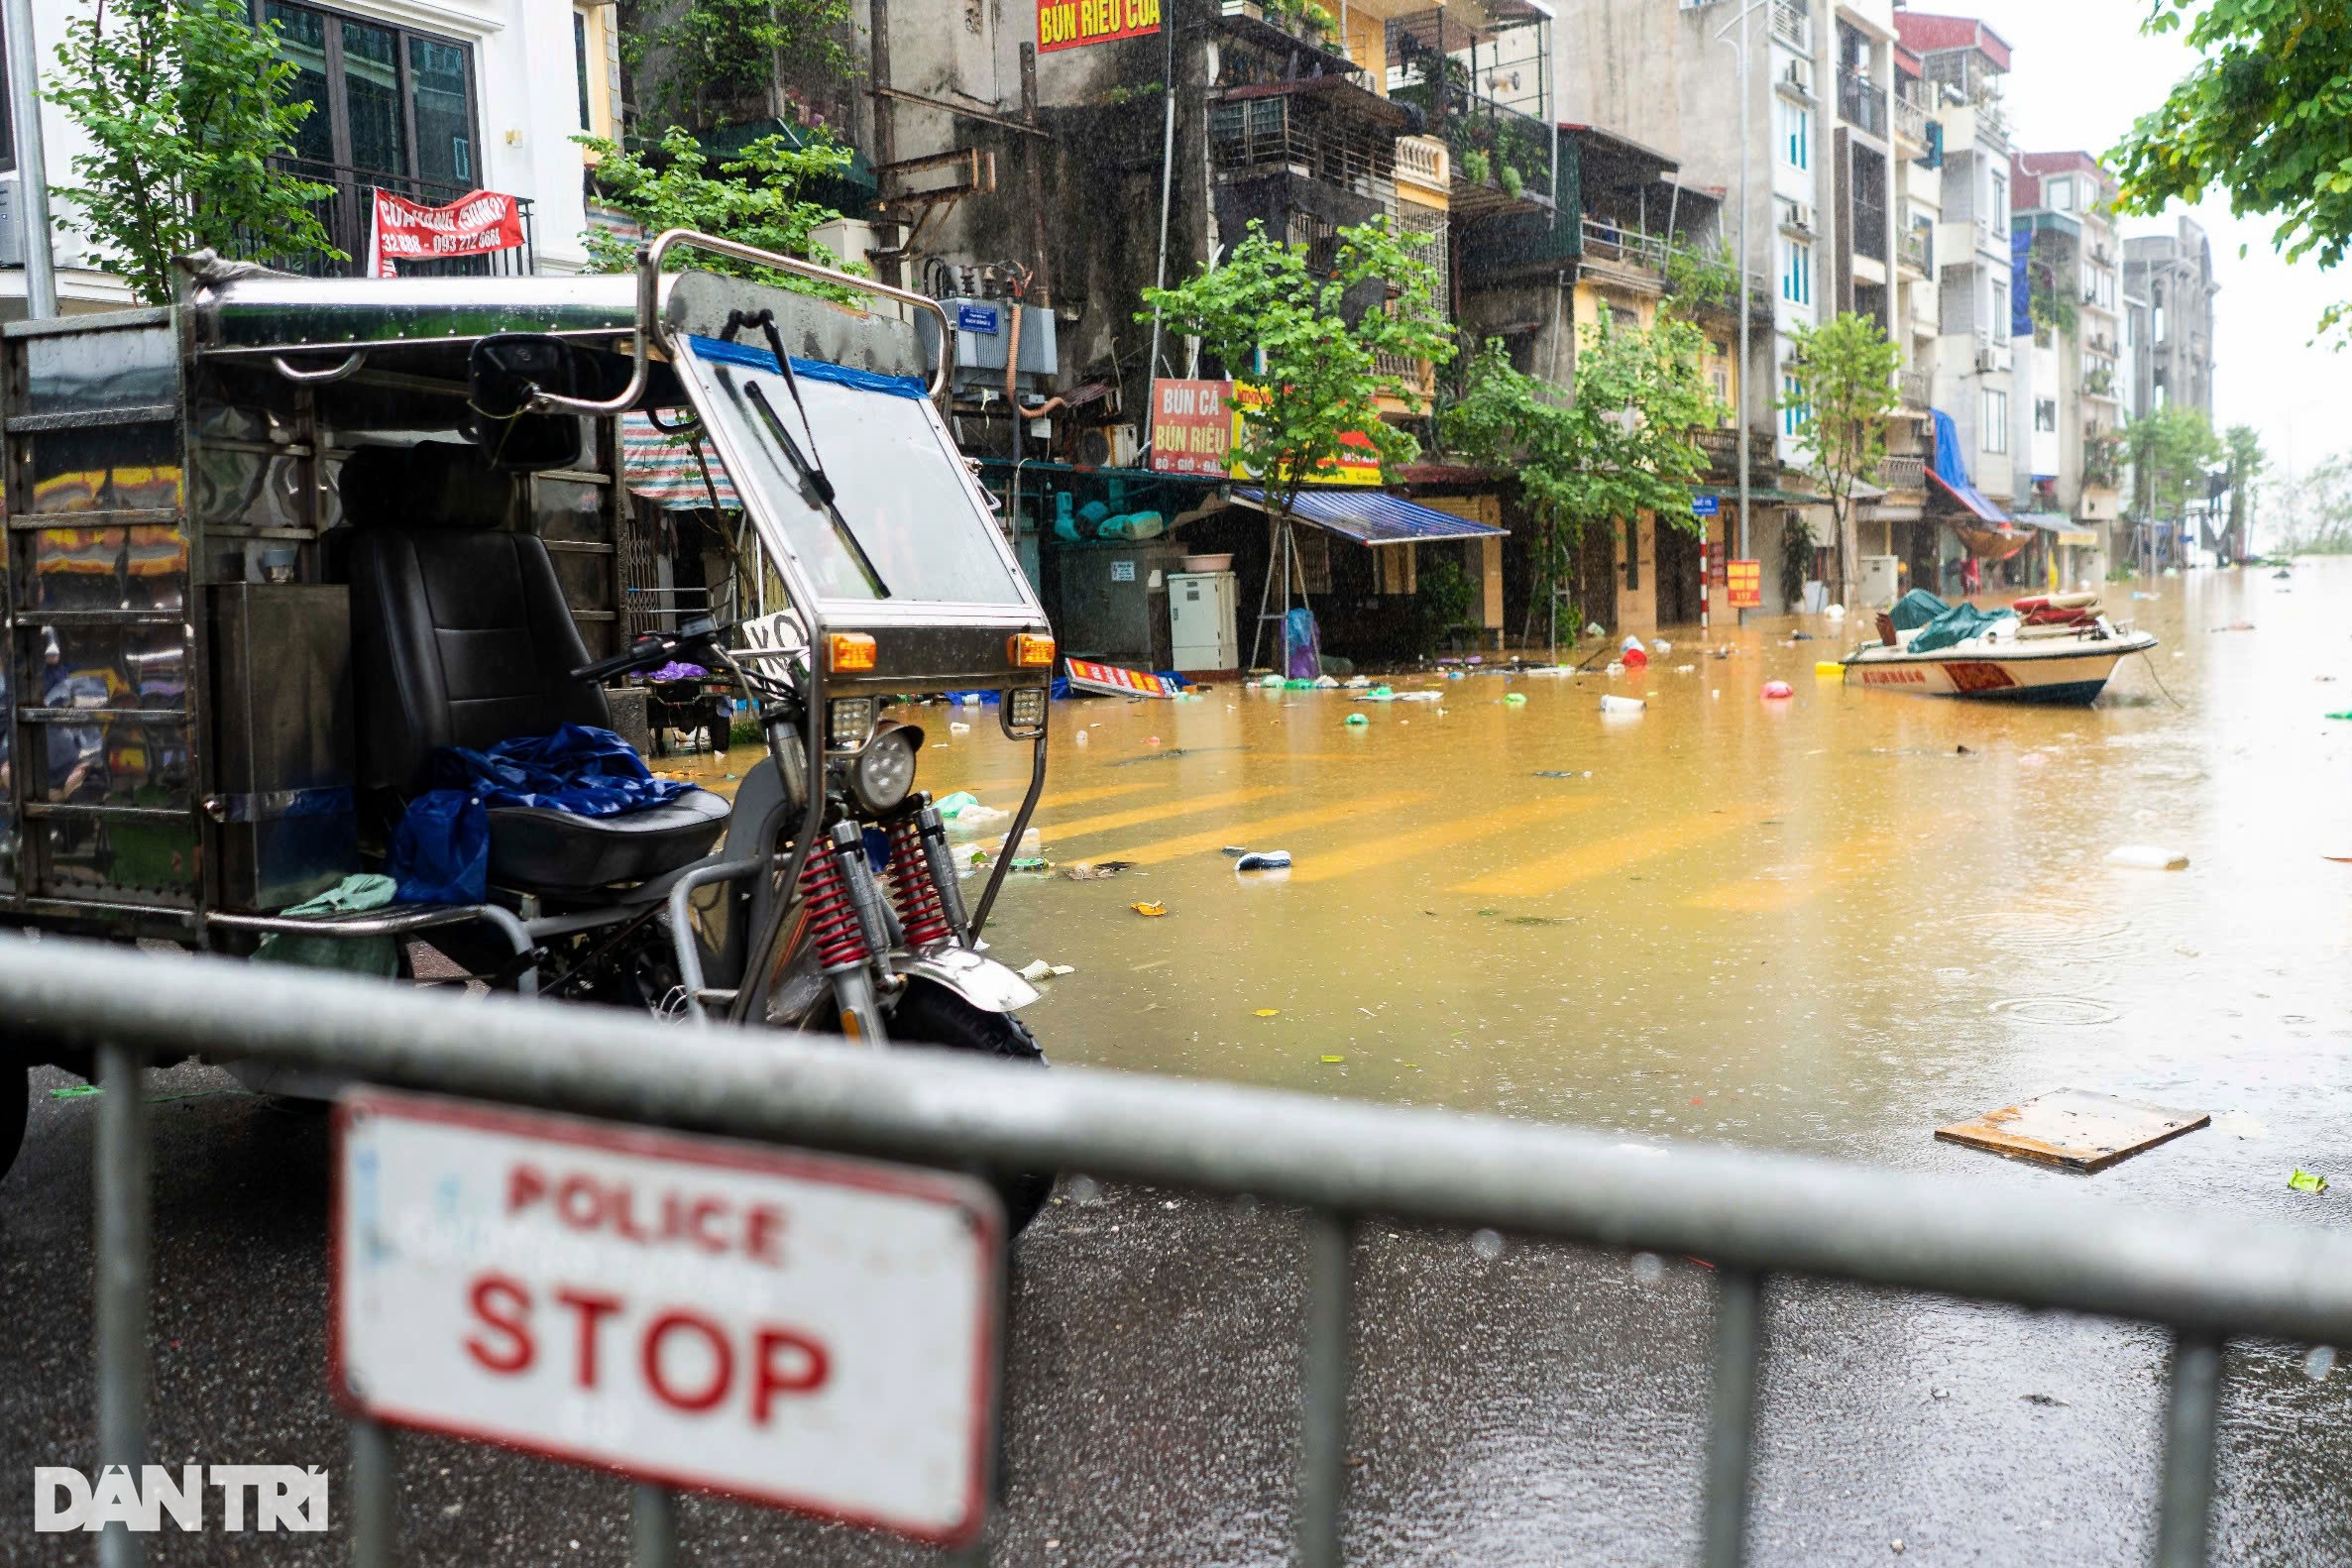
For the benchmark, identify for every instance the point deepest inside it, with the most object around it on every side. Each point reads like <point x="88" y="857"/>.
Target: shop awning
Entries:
<point x="1968" y="496"/>
<point x="2062" y="528"/>
<point x="1370" y="516"/>
<point x="1760" y="495"/>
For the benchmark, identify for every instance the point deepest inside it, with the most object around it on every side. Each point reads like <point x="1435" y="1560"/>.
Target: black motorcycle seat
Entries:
<point x="538" y="849"/>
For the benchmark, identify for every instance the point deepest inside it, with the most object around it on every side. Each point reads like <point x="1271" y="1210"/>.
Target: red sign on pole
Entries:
<point x="1746" y="580"/>
<point x="410" y="231"/>
<point x="1192" y="427"/>
<point x="1066" y="24"/>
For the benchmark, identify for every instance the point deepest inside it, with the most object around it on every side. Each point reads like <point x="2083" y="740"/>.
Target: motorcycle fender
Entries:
<point x="982" y="981"/>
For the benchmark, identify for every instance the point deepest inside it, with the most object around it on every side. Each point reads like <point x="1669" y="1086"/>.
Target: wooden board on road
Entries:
<point x="2074" y="1129"/>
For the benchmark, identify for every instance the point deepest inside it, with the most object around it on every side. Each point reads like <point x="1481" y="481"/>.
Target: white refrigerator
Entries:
<point x="1203" y="610"/>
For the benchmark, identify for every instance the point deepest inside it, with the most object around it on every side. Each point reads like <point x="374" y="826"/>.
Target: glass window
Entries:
<point x="1796" y="134"/>
<point x="2046" y="415"/>
<point x="302" y="41"/>
<point x="1796" y="274"/>
<point x="372" y="98"/>
<point x="1996" y="420"/>
<point x="444" y="112"/>
<point x="909" y="530"/>
<point x="2062" y="196"/>
<point x="1791" y="414"/>
<point x="580" y="65"/>
<point x="385" y="104"/>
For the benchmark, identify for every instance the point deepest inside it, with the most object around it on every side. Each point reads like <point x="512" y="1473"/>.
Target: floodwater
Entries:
<point x="1829" y="922"/>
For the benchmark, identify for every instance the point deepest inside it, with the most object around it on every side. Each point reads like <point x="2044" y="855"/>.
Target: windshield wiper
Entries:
<point x="815" y="488"/>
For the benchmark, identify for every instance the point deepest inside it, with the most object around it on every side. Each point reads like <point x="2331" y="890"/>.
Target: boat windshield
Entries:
<point x="903" y="524"/>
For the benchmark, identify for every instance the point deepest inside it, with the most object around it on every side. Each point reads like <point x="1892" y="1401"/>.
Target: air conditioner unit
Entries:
<point x="1986" y="359"/>
<point x="1801" y="214"/>
<point x="1799" y="75"/>
<point x="12" y="223"/>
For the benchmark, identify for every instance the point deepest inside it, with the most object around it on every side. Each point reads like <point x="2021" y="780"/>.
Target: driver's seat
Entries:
<point x="460" y="638"/>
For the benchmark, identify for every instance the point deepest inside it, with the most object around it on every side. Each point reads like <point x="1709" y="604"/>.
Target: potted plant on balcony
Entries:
<point x="1475" y="165"/>
<point x="1514" y="182"/>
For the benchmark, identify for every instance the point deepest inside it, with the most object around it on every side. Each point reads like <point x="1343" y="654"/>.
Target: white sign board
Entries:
<point x="810" y="1332"/>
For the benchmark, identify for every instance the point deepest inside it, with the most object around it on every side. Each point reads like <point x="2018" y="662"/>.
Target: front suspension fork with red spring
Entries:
<point x="846" y="927"/>
<point x="923" y="879"/>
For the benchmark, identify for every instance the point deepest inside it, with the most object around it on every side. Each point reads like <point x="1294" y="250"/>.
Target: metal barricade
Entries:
<point x="1752" y="1215"/>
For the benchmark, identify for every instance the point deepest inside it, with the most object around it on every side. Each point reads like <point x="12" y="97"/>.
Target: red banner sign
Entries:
<point x="475" y="224"/>
<point x="1066" y="24"/>
<point x="1192" y="427"/>
<point x="1746" y="579"/>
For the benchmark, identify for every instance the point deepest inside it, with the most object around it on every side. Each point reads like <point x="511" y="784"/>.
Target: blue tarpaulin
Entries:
<point x="1371" y="516"/>
<point x="1951" y="475"/>
<point x="721" y="352"/>
<point x="587" y="771"/>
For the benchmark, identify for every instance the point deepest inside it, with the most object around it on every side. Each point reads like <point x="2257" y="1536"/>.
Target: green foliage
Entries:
<point x="186" y="104"/>
<point x="754" y="197"/>
<point x="1844" y="387"/>
<point x="2171" y="449"/>
<point x="2054" y="307"/>
<point x="2242" y="446"/>
<point x="2102" y="455"/>
<point x="1621" y="448"/>
<point x="1701" y="278"/>
<point x="716" y="52"/>
<point x="1283" y="327"/>
<point x="2314" y="515"/>
<point x="1443" y="600"/>
<point x="1796" y="557"/>
<point x="1475" y="166"/>
<point x="1512" y="182"/>
<point x="2261" y="118"/>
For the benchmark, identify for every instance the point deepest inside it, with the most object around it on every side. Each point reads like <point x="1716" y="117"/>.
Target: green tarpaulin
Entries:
<point x="1957" y="624"/>
<point x="1917" y="609"/>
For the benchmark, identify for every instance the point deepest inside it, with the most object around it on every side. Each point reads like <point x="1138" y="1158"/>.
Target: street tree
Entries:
<point x="2242" y="446"/>
<point x="2259" y="119"/>
<point x="1623" y="446"/>
<point x="1842" y="375"/>
<point x="188" y="109"/>
<point x="757" y="197"/>
<point x="2314" y="515"/>
<point x="2170" y="448"/>
<point x="1285" y="329"/>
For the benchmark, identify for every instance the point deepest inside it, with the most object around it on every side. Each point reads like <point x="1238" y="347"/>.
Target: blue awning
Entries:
<point x="1371" y="516"/>
<point x="1970" y="496"/>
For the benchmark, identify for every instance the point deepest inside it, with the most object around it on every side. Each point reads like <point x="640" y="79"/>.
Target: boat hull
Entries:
<point x="2059" y="677"/>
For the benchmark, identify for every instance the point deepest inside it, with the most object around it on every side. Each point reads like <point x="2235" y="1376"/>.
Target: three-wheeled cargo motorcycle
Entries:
<point x="274" y="549"/>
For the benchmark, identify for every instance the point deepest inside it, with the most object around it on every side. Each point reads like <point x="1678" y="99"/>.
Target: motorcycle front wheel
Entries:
<point x="931" y="1015"/>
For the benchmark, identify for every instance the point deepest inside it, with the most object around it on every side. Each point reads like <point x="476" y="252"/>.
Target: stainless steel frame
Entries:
<point x="1755" y="1215"/>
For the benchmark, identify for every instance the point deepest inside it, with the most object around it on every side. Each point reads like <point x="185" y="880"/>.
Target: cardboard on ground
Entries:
<point x="2074" y="1129"/>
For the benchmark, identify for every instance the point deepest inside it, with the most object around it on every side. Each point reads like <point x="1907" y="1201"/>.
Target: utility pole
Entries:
<point x="1746" y="305"/>
<point x="1167" y="194"/>
<point x="24" y="109"/>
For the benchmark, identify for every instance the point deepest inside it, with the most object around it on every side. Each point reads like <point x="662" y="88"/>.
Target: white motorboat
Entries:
<point x="2056" y="649"/>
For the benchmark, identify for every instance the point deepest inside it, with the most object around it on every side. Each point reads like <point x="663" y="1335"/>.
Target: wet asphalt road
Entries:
<point x="1542" y="1406"/>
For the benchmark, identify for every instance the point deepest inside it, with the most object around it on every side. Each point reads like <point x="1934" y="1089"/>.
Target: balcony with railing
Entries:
<point x="1722" y="447"/>
<point x="347" y="213"/>
<point x="1423" y="160"/>
<point x="1915" y="247"/>
<point x="1861" y="103"/>
<point x="1911" y="123"/>
<point x="1792" y="24"/>
<point x="1898" y="472"/>
<point x="1916" y="388"/>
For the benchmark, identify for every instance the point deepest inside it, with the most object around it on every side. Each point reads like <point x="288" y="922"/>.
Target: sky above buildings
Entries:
<point x="2082" y="73"/>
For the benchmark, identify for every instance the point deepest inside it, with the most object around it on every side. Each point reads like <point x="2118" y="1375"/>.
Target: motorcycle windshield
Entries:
<point x="904" y="525"/>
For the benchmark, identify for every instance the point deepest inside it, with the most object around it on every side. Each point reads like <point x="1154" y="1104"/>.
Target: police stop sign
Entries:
<point x="811" y="1332"/>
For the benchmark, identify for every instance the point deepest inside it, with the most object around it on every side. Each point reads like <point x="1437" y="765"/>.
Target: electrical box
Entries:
<point x="1878" y="581"/>
<point x="985" y="332"/>
<point x="850" y="239"/>
<point x="1204" y="621"/>
<point x="1114" y="602"/>
<point x="12" y="221"/>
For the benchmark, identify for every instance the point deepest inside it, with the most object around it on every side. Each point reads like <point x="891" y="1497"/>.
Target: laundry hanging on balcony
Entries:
<point x="476" y="224"/>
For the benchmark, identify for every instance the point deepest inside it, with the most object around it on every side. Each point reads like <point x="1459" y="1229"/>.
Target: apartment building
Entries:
<point x="428" y="103"/>
<point x="2174" y="273"/>
<point x="2068" y="375"/>
<point x="1967" y="62"/>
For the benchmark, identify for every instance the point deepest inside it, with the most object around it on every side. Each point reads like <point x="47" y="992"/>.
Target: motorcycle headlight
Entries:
<point x="884" y="773"/>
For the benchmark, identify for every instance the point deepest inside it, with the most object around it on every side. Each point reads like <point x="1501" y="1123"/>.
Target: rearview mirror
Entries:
<point x="501" y="374"/>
